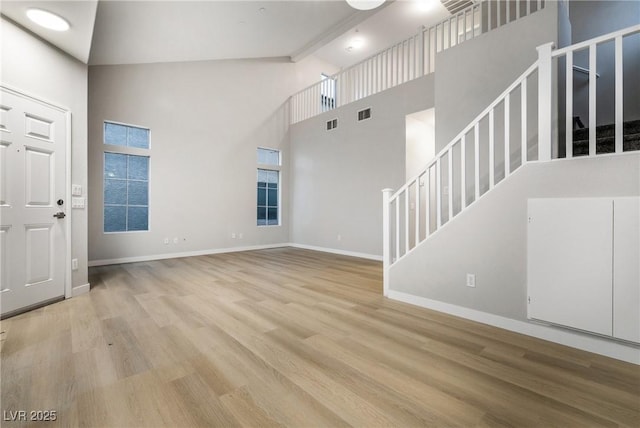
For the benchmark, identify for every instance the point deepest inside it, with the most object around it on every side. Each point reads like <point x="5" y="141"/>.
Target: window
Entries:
<point x="126" y="178"/>
<point x="332" y="124"/>
<point x="268" y="186"/>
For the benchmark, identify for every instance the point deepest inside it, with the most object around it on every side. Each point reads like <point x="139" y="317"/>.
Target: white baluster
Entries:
<point x="524" y="121"/>
<point x="450" y="181"/>
<point x="463" y="172"/>
<point x="438" y="194"/>
<point x="427" y="203"/>
<point x="406" y="220"/>
<point x="592" y="100"/>
<point x="545" y="101"/>
<point x="476" y="158"/>
<point x="619" y="94"/>
<point x="492" y="160"/>
<point x="386" y="239"/>
<point x="568" y="135"/>
<point x="417" y="213"/>
<point x="507" y="130"/>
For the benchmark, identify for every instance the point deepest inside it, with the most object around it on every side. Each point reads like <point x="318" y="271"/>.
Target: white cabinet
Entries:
<point x="583" y="264"/>
<point x="626" y="269"/>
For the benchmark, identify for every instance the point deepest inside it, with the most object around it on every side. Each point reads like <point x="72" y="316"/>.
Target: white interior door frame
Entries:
<point x="68" y="291"/>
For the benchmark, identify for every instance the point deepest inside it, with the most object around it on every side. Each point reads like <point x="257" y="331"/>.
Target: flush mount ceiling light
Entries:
<point x="48" y="20"/>
<point x="365" y="4"/>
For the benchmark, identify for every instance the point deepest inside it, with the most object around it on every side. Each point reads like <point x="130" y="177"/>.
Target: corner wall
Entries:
<point x="337" y="176"/>
<point x="43" y="71"/>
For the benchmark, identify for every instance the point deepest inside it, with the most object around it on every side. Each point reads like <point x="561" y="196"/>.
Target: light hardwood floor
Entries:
<point x="290" y="337"/>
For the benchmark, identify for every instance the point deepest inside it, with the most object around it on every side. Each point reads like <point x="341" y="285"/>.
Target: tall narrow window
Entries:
<point x="126" y="178"/>
<point x="268" y="187"/>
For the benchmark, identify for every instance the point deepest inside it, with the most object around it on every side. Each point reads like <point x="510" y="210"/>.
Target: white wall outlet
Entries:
<point x="233" y="235"/>
<point x="166" y="241"/>
<point x="240" y="236"/>
<point x="471" y="280"/>
<point x="76" y="190"/>
<point x="175" y="240"/>
<point x="74" y="264"/>
<point x="339" y="237"/>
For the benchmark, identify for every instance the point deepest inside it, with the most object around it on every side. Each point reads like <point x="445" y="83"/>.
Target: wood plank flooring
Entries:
<point x="289" y="337"/>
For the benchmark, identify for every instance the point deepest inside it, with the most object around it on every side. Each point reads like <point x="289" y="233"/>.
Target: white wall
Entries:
<point x="421" y="141"/>
<point x="470" y="76"/>
<point x="41" y="70"/>
<point x="337" y="176"/>
<point x="206" y="119"/>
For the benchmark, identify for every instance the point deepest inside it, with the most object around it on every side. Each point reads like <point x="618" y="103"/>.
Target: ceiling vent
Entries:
<point x="455" y="6"/>
<point x="332" y="124"/>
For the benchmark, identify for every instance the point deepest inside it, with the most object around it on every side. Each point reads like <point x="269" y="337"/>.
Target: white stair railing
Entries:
<point x="566" y="58"/>
<point x="517" y="127"/>
<point x="407" y="60"/>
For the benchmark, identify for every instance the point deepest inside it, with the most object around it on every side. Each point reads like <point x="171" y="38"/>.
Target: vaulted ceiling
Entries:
<point x="146" y="31"/>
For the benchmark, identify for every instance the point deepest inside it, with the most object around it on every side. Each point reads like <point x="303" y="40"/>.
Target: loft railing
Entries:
<point x="516" y="128"/>
<point x="408" y="60"/>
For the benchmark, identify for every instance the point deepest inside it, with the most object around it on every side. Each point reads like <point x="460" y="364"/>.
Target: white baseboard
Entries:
<point x="80" y="289"/>
<point x="574" y="339"/>
<point x="336" y="251"/>
<point x="152" y="257"/>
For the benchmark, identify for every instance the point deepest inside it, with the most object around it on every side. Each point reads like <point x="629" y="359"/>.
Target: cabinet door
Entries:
<point x="569" y="269"/>
<point x="626" y="269"/>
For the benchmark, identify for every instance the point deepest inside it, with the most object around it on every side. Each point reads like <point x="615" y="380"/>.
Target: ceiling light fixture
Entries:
<point x="365" y="4"/>
<point x="48" y="20"/>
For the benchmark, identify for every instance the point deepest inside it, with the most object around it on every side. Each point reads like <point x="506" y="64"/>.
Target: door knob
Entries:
<point x="60" y="215"/>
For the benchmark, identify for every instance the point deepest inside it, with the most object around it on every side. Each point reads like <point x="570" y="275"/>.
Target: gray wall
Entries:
<point x="490" y="238"/>
<point x="337" y="176"/>
<point x="594" y="18"/>
<point x="40" y="70"/>
<point x="473" y="74"/>
<point x="206" y="119"/>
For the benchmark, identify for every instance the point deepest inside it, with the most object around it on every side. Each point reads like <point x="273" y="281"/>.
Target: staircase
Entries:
<point x="487" y="151"/>
<point x="605" y="138"/>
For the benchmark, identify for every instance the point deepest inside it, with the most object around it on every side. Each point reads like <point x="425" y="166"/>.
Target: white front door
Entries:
<point x="32" y="202"/>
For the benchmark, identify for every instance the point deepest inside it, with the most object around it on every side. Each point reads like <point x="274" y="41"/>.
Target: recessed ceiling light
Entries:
<point x="48" y="20"/>
<point x="365" y="4"/>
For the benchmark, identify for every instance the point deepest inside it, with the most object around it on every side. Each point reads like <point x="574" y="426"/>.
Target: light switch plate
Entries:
<point x="76" y="190"/>
<point x="77" y="202"/>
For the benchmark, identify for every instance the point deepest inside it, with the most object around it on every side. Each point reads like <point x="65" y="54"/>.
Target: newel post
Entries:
<point x="545" y="106"/>
<point x="386" y="239"/>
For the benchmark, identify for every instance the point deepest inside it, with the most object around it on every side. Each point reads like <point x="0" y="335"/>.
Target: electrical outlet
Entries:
<point x="339" y="237"/>
<point x="175" y="240"/>
<point x="74" y="264"/>
<point x="166" y="241"/>
<point x="471" y="280"/>
<point x="233" y="235"/>
<point x="240" y="235"/>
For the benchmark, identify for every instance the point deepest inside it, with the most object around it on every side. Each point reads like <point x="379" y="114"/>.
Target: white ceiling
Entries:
<point x="80" y="14"/>
<point x="147" y="31"/>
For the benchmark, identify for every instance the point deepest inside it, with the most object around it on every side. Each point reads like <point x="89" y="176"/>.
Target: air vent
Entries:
<point x="332" y="124"/>
<point x="455" y="6"/>
<point x="364" y="114"/>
